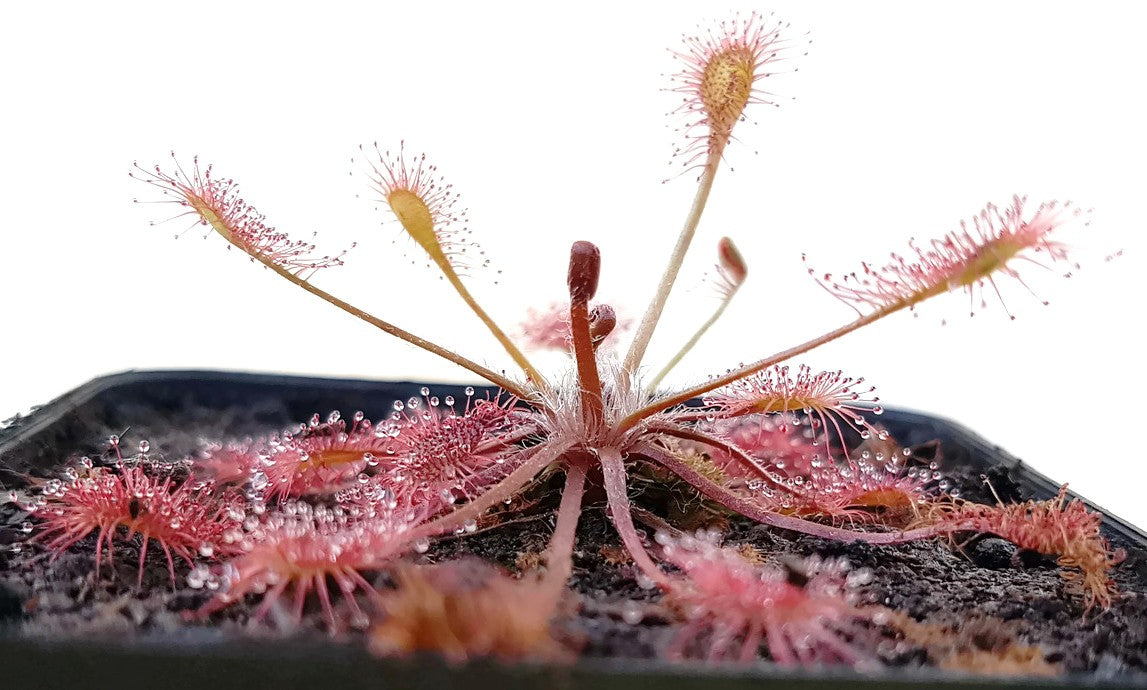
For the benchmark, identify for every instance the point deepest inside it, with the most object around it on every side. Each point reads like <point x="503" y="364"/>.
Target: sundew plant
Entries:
<point x="330" y="513"/>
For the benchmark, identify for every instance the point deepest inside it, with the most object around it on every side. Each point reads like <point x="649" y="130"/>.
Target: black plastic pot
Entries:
<point x="199" y="657"/>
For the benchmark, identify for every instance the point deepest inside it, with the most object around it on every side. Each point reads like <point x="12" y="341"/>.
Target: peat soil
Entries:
<point x="972" y="588"/>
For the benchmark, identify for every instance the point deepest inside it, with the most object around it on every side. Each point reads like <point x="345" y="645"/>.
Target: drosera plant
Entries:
<point x="804" y="612"/>
<point x="297" y="548"/>
<point x="1057" y="527"/>
<point x="331" y="511"/>
<point x="137" y="495"/>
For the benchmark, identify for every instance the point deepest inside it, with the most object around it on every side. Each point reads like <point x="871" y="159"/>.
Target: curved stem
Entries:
<point x="749" y="509"/>
<point x="617" y="495"/>
<point x="689" y="345"/>
<point x="507" y="344"/>
<point x="712" y="384"/>
<point x="496" y="379"/>
<point x="653" y="313"/>
<point x="720" y="444"/>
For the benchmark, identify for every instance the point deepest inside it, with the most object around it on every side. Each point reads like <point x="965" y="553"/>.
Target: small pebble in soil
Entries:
<point x="993" y="552"/>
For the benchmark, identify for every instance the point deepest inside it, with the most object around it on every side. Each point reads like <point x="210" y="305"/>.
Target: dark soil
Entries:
<point x="987" y="584"/>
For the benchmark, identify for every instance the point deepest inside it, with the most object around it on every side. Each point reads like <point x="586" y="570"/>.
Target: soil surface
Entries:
<point x="987" y="589"/>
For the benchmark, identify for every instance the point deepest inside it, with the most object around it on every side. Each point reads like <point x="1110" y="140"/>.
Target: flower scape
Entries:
<point x="359" y="525"/>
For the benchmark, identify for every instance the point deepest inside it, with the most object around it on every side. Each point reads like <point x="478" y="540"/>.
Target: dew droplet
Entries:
<point x="631" y="613"/>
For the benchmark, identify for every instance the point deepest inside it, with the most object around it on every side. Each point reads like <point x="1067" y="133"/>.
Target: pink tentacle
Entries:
<point x="347" y="586"/>
<point x="325" y="599"/>
<point x="780" y="649"/>
<point x="260" y="613"/>
<point x="170" y="563"/>
<point x="142" y="556"/>
<point x="752" y="643"/>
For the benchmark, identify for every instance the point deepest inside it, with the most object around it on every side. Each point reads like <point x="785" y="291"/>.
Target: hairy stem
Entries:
<point x="689" y="345"/>
<point x="720" y="444"/>
<point x="712" y="384"/>
<point x="496" y="379"/>
<point x="749" y="509"/>
<point x="617" y="495"/>
<point x="653" y="313"/>
<point x="511" y="349"/>
<point x="559" y="552"/>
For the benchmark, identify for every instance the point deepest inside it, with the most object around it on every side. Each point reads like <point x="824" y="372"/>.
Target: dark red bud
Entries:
<point x="585" y="267"/>
<point x="731" y="260"/>
<point x="602" y="320"/>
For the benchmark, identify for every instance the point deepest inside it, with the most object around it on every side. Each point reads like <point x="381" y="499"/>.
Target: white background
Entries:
<point x="550" y="120"/>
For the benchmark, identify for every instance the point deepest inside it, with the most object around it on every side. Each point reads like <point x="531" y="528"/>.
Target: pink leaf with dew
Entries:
<point x="424" y="205"/>
<point x="828" y="398"/>
<point x="185" y="518"/>
<point x="216" y="203"/>
<point x="784" y="446"/>
<point x="438" y="456"/>
<point x="803" y="615"/>
<point x="300" y="547"/>
<point x="967" y="260"/>
<point x="226" y="463"/>
<point x="320" y="457"/>
<point x="719" y="79"/>
<point x="876" y="486"/>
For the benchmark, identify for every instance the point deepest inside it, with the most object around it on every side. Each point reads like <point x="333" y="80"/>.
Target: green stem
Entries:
<point x="692" y="341"/>
<point x="750" y="369"/>
<point x="657" y="305"/>
<point x="494" y="378"/>
<point x="511" y="349"/>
